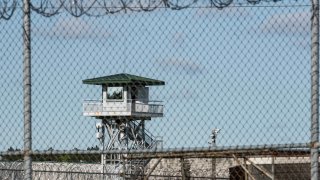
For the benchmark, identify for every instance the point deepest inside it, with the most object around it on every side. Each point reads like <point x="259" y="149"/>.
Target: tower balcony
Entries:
<point x="128" y="108"/>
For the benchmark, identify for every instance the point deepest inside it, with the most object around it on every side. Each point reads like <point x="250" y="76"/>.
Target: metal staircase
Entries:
<point x="141" y="136"/>
<point x="146" y="141"/>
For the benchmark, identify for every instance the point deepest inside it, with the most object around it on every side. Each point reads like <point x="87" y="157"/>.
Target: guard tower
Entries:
<point x="123" y="110"/>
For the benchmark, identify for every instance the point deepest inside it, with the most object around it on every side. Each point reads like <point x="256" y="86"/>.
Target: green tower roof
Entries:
<point x="123" y="79"/>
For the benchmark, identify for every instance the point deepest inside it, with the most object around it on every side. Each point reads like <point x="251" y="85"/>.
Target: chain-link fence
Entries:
<point x="159" y="89"/>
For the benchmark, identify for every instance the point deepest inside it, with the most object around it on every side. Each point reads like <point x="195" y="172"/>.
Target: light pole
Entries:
<point x="213" y="142"/>
<point x="214" y="134"/>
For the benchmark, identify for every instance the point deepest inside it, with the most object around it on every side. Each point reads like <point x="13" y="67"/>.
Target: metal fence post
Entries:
<point x="27" y="90"/>
<point x="314" y="89"/>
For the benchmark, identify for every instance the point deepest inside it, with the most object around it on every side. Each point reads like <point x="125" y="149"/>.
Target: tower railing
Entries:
<point x="133" y="106"/>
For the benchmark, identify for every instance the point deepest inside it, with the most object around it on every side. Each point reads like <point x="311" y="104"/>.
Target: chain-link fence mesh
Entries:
<point x="159" y="89"/>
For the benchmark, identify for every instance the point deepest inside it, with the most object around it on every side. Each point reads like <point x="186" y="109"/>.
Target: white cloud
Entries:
<point x="73" y="28"/>
<point x="178" y="38"/>
<point x="227" y="11"/>
<point x="295" y="23"/>
<point x="183" y="64"/>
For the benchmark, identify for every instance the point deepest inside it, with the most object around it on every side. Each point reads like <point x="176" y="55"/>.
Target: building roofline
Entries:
<point x="123" y="79"/>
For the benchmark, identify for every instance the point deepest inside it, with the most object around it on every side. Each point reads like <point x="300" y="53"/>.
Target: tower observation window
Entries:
<point x="115" y="93"/>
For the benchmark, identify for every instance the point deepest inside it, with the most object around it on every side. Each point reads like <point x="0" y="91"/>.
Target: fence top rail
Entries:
<point x="243" y="151"/>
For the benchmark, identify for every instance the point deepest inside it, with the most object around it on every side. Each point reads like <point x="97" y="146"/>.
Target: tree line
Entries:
<point x="77" y="158"/>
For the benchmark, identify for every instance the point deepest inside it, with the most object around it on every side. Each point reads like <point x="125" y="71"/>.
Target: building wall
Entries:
<point x="285" y="169"/>
<point x="224" y="168"/>
<point x="291" y="171"/>
<point x="196" y="167"/>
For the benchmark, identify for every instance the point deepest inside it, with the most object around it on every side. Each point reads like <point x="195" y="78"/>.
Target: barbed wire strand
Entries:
<point x="7" y="9"/>
<point x="79" y="8"/>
